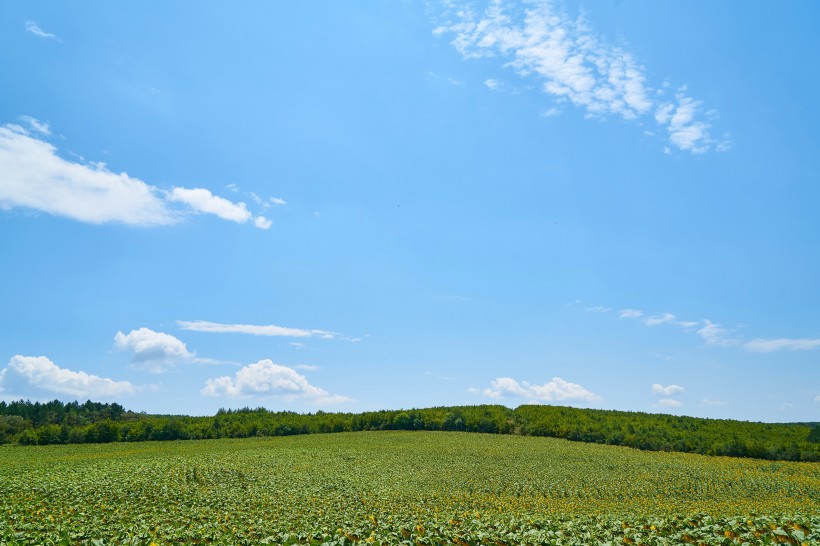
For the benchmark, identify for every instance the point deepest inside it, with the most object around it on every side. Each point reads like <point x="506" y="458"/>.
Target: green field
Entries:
<point x="399" y="488"/>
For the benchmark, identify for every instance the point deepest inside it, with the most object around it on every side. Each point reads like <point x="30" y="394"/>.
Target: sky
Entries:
<point x="354" y="206"/>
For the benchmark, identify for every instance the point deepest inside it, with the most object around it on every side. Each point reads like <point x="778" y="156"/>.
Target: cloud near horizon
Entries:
<point x="40" y="373"/>
<point x="556" y="390"/>
<point x="35" y="177"/>
<point x="573" y="65"/>
<point x="263" y="379"/>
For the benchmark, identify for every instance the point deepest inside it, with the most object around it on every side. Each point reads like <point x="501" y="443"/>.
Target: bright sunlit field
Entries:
<point x="399" y="488"/>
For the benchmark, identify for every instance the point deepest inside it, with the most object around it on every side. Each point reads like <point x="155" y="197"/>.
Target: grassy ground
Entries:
<point x="399" y="487"/>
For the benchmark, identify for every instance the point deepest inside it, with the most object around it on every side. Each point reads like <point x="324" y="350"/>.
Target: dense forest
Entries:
<point x="35" y="423"/>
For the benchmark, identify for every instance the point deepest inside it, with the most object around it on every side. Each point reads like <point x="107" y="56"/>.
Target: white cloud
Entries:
<point x="253" y="329"/>
<point x="659" y="319"/>
<point x="35" y="177"/>
<point x="785" y="406"/>
<point x="599" y="309"/>
<point x="669" y="403"/>
<point x="33" y="28"/>
<point x="36" y="125"/>
<point x="685" y="131"/>
<point x="669" y="390"/>
<point x="493" y="85"/>
<point x="265" y="378"/>
<point x="555" y="390"/>
<point x="630" y="313"/>
<point x="715" y="334"/>
<point x="262" y="223"/>
<point x="153" y="351"/>
<point x="540" y="40"/>
<point x="202" y="200"/>
<point x="771" y="345"/>
<point x="278" y="201"/>
<point x="25" y="373"/>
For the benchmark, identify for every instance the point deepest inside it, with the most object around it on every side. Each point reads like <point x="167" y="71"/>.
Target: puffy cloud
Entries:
<point x="669" y="390"/>
<point x="780" y="344"/>
<point x="35" y="177"/>
<point x="253" y="329"/>
<point x="265" y="378"/>
<point x="26" y="373"/>
<point x="202" y="200"/>
<point x="153" y="351"/>
<point x="555" y="390"/>
<point x="262" y="223"/>
<point x="572" y="64"/>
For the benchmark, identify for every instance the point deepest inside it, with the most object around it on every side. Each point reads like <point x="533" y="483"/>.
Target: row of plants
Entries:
<point x="422" y="488"/>
<point x="57" y="423"/>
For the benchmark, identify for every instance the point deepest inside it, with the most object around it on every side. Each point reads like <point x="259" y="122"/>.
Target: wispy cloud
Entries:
<point x="35" y="29"/>
<point x="25" y="374"/>
<point x="715" y="334"/>
<point x="712" y="403"/>
<point x="252" y="329"/>
<point x="669" y="403"/>
<point x="660" y="319"/>
<point x="573" y="64"/>
<point x="630" y="313"/>
<point x="493" y="84"/>
<point x="781" y="344"/>
<point x="556" y="390"/>
<point x="36" y="177"/>
<point x="264" y="378"/>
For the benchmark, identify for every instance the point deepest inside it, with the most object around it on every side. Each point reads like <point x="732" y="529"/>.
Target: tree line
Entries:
<point x="35" y="423"/>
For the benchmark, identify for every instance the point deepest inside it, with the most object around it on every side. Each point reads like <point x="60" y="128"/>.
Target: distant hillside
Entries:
<point x="54" y="422"/>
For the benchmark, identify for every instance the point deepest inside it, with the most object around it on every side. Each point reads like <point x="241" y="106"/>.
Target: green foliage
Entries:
<point x="33" y="423"/>
<point x="411" y="488"/>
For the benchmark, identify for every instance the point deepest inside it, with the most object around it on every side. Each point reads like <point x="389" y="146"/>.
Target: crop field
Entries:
<point x="413" y="488"/>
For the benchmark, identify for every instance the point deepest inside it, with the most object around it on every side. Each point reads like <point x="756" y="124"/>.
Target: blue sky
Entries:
<point x="387" y="204"/>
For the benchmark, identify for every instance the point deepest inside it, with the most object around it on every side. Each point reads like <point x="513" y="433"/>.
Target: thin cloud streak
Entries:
<point x="35" y="29"/>
<point x="781" y="344"/>
<point x="252" y="329"/>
